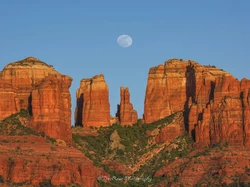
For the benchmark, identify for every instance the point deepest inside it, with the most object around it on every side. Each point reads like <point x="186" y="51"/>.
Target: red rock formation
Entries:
<point x="34" y="85"/>
<point x="227" y="123"/>
<point x="114" y="120"/>
<point x="172" y="130"/>
<point x="166" y="90"/>
<point x="197" y="170"/>
<point x="175" y="86"/>
<point x="51" y="103"/>
<point x="245" y="95"/>
<point x="118" y="167"/>
<point x="7" y="99"/>
<point x="30" y="159"/>
<point x="126" y="114"/>
<point x="192" y="119"/>
<point x="201" y="132"/>
<point x="24" y="75"/>
<point x="93" y="107"/>
<point x="225" y="85"/>
<point x="215" y="104"/>
<point x="223" y="120"/>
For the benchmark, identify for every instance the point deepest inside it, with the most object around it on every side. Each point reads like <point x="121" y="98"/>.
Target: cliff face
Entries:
<point x="93" y="108"/>
<point x="166" y="90"/>
<point x="223" y="119"/>
<point x="215" y="104"/>
<point x="245" y="95"/>
<point x="7" y="99"/>
<point x="24" y="75"/>
<point x="126" y="114"/>
<point x="33" y="85"/>
<point x="51" y="103"/>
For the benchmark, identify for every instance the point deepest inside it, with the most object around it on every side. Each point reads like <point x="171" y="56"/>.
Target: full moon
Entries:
<point x="124" y="40"/>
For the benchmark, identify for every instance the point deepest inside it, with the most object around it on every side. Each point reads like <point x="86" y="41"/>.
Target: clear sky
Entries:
<point x="78" y="37"/>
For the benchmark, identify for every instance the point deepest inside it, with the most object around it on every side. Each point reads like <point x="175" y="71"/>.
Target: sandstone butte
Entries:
<point x="92" y="108"/>
<point x="126" y="114"/>
<point x="34" y="85"/>
<point x="216" y="105"/>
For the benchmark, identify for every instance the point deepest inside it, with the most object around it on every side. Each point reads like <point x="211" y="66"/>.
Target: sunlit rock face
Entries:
<point x="51" y="103"/>
<point x="93" y="108"/>
<point x="126" y="114"/>
<point x="215" y="104"/>
<point x="34" y="85"/>
<point x="166" y="90"/>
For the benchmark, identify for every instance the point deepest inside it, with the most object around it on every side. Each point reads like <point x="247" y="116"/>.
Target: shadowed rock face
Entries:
<point x="215" y="104"/>
<point x="126" y="114"/>
<point x="245" y="97"/>
<point x="93" y="108"/>
<point x="34" y="85"/>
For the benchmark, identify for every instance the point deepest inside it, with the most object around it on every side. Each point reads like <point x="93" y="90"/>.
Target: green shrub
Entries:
<point x="120" y="152"/>
<point x="1" y="179"/>
<point x="46" y="183"/>
<point x="247" y="169"/>
<point x="12" y="126"/>
<point x="24" y="113"/>
<point x="52" y="140"/>
<point x="42" y="134"/>
<point x="20" y="183"/>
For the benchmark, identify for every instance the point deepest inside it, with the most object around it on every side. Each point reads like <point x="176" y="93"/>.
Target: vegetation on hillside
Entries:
<point x="145" y="176"/>
<point x="12" y="126"/>
<point x="136" y="144"/>
<point x="133" y="138"/>
<point x="144" y="158"/>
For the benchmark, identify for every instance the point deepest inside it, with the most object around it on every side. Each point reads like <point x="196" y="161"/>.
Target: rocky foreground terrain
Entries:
<point x="195" y="129"/>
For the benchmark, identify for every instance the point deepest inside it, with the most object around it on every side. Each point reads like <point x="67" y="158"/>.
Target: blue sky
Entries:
<point x="78" y="38"/>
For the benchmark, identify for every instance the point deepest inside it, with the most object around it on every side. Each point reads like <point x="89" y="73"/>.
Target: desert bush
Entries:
<point x="46" y="183"/>
<point x="1" y="179"/>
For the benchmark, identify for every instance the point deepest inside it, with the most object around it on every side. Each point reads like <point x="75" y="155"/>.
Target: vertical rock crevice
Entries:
<point x="190" y="100"/>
